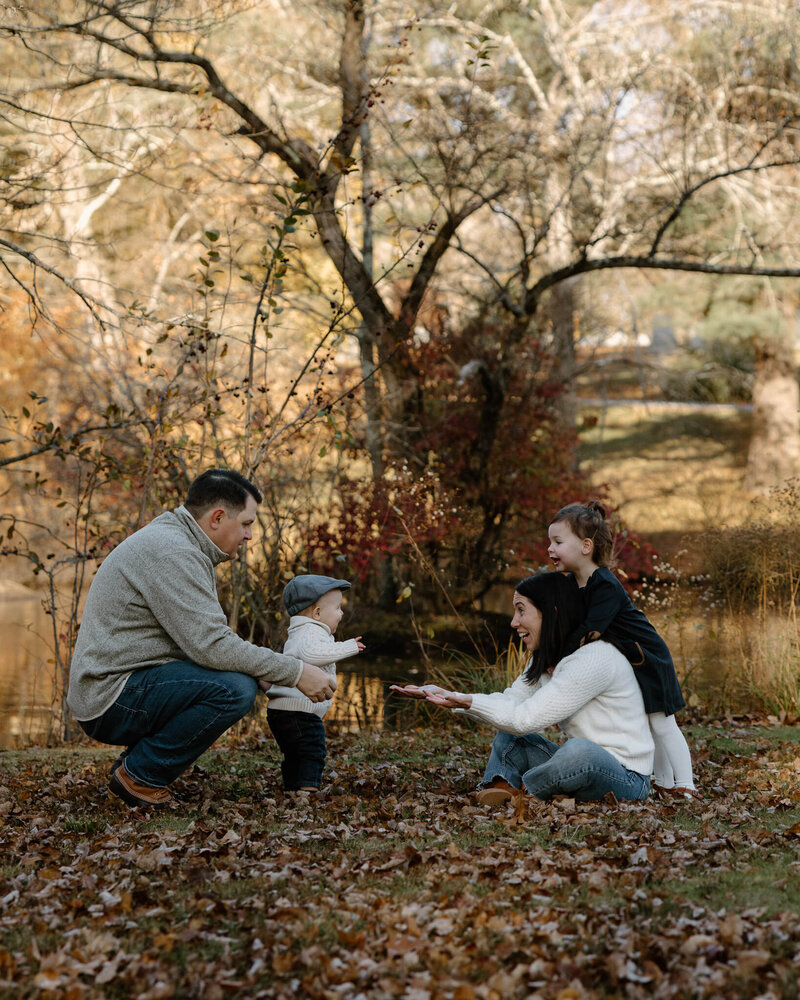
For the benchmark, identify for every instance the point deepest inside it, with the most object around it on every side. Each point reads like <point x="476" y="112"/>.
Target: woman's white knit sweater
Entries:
<point x="312" y="642"/>
<point x="592" y="693"/>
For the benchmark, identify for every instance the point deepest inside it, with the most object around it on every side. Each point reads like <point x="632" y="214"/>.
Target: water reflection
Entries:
<point x="709" y="651"/>
<point x="736" y="661"/>
<point x="363" y="700"/>
<point x="27" y="688"/>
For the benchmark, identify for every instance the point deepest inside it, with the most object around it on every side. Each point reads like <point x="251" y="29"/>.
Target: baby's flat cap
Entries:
<point x="307" y="589"/>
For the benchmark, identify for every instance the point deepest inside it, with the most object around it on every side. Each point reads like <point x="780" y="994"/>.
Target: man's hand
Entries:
<point x="316" y="684"/>
<point x="264" y="684"/>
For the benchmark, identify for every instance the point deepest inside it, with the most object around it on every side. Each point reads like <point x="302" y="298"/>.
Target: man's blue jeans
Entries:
<point x="578" y="768"/>
<point x="168" y="715"/>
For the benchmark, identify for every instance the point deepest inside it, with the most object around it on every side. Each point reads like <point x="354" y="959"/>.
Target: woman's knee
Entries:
<point x="502" y="742"/>
<point x="576" y="750"/>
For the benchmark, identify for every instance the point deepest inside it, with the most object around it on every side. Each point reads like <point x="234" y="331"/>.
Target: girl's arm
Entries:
<point x="605" y="598"/>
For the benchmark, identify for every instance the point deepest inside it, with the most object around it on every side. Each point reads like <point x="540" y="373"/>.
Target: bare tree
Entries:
<point x="516" y="149"/>
<point x="660" y="137"/>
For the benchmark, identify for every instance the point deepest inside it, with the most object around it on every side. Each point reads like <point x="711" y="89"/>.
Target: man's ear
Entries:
<point x="216" y="517"/>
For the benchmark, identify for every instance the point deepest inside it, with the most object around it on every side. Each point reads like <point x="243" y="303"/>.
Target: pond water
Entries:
<point x="709" y="648"/>
<point x="29" y="701"/>
<point x="27" y="679"/>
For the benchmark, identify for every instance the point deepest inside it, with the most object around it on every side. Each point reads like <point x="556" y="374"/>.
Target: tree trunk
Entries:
<point x="774" y="454"/>
<point x="562" y="309"/>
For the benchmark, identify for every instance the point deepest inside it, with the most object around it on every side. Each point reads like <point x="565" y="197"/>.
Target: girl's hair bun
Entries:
<point x="597" y="507"/>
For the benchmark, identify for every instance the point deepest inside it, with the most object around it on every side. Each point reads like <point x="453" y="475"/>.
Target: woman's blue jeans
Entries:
<point x="578" y="768"/>
<point x="168" y="715"/>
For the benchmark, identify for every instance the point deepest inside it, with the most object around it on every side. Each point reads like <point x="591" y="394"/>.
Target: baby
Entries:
<point x="314" y="604"/>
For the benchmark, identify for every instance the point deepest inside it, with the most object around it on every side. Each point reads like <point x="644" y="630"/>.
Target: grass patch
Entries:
<point x="88" y="823"/>
<point x="778" y="734"/>
<point x="771" y="884"/>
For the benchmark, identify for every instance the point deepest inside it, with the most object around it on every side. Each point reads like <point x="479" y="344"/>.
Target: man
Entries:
<point x="156" y="668"/>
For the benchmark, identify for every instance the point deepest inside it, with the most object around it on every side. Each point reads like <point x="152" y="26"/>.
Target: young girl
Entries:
<point x="581" y="544"/>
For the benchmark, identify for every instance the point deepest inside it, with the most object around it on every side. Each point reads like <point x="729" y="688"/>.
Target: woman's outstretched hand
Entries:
<point x="434" y="694"/>
<point x="414" y="691"/>
<point x="450" y="699"/>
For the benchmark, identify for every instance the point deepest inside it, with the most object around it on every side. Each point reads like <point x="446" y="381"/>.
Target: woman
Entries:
<point x="591" y="694"/>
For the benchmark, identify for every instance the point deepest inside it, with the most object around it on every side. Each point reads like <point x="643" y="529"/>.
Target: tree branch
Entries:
<point x="59" y="442"/>
<point x="434" y="253"/>
<point x="584" y="266"/>
<point x="88" y="300"/>
<point x="748" y="167"/>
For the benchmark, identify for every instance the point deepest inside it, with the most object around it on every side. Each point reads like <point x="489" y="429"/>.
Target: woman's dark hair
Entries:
<point x="558" y="598"/>
<point x="219" y="486"/>
<point x="588" y="520"/>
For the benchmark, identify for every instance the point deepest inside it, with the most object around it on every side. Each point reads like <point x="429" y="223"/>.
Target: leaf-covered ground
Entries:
<point x="393" y="883"/>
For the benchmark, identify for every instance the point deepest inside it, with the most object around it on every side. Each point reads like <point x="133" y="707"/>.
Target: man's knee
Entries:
<point x="241" y="690"/>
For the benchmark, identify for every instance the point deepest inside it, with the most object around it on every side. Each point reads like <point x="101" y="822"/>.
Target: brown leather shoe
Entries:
<point x="117" y="762"/>
<point x="498" y="793"/>
<point x="136" y="794"/>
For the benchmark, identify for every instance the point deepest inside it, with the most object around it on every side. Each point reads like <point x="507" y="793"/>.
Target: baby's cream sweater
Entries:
<point x="312" y="642"/>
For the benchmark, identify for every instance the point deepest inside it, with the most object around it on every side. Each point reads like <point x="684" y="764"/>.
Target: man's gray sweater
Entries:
<point x="153" y="600"/>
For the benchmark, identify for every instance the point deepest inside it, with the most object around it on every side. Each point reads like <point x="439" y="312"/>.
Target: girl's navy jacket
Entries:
<point x="612" y="616"/>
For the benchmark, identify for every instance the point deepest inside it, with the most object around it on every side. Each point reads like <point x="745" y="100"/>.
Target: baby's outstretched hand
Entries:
<point x="360" y="644"/>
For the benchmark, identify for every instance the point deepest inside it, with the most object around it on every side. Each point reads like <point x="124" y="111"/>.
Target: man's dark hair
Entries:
<point x="558" y="598"/>
<point x="220" y="486"/>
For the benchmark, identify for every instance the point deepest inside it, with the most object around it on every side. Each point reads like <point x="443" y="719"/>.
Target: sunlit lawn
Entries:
<point x="671" y="470"/>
